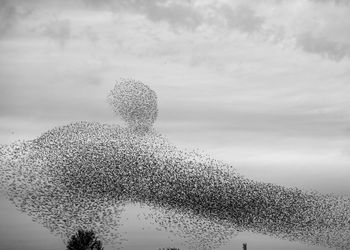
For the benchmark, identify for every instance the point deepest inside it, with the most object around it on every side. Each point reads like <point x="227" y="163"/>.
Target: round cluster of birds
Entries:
<point x="80" y="176"/>
<point x="136" y="103"/>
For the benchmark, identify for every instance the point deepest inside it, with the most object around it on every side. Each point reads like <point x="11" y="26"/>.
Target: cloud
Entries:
<point x="278" y="22"/>
<point x="186" y="14"/>
<point x="8" y="17"/>
<point x="91" y="35"/>
<point x="12" y="15"/>
<point x="58" y="30"/>
<point x="176" y="14"/>
<point x="242" y="18"/>
<point x="281" y="23"/>
<point x="323" y="46"/>
<point x="338" y="2"/>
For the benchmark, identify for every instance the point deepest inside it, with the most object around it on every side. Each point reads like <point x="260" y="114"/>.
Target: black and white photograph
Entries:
<point x="174" y="124"/>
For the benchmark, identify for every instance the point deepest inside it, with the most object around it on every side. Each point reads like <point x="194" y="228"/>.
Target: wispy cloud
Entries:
<point x="311" y="26"/>
<point x="8" y="17"/>
<point x="281" y="22"/>
<point x="58" y="30"/>
<point x="177" y="14"/>
<point x="12" y="13"/>
<point x="243" y="18"/>
<point x="339" y="2"/>
<point x="323" y="46"/>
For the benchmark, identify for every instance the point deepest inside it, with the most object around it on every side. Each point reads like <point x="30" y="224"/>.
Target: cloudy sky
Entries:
<point x="263" y="85"/>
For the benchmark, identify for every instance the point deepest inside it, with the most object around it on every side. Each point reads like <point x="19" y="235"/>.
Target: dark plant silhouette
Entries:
<point x="84" y="240"/>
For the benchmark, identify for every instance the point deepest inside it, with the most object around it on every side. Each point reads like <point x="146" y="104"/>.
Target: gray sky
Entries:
<point x="252" y="82"/>
<point x="261" y="84"/>
<point x="255" y="83"/>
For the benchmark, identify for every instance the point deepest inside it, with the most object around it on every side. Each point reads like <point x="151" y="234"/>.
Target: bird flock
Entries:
<point x="81" y="176"/>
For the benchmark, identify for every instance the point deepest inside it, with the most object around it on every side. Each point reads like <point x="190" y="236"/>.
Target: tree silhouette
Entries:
<point x="84" y="240"/>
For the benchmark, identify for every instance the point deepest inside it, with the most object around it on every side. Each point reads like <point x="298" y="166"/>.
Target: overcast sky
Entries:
<point x="263" y="85"/>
